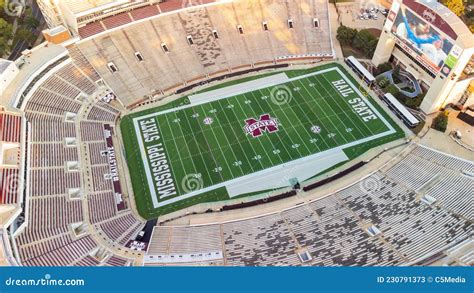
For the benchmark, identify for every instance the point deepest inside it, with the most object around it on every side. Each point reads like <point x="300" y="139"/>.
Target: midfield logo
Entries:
<point x="256" y="127"/>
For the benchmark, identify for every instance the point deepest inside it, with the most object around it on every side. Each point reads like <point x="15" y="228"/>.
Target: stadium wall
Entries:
<point x="164" y="73"/>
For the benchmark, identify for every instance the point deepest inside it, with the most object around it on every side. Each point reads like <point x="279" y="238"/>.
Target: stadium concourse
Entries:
<point x="71" y="201"/>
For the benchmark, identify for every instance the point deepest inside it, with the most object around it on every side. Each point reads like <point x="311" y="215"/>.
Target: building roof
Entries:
<point x="4" y="65"/>
<point x="33" y="62"/>
<point x="81" y="8"/>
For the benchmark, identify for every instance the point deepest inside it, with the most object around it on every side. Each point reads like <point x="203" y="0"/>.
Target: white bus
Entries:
<point x="360" y="70"/>
<point x="400" y="110"/>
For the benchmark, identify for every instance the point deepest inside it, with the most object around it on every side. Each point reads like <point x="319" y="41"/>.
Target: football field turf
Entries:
<point x="191" y="150"/>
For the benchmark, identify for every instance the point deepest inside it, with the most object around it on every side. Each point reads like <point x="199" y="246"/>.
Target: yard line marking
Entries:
<point x="364" y="98"/>
<point x="238" y="140"/>
<point x="347" y="112"/>
<point x="207" y="142"/>
<point x="249" y="90"/>
<point x="220" y="148"/>
<point x="246" y="136"/>
<point x="329" y="106"/>
<point x="199" y="146"/>
<point x="294" y="127"/>
<point x="325" y="112"/>
<point x="187" y="146"/>
<point x="306" y="116"/>
<point x="268" y="139"/>
<point x="177" y="151"/>
<point x="345" y="101"/>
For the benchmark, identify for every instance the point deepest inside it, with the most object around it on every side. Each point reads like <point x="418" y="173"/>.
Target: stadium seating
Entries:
<point x="57" y="232"/>
<point x="68" y="211"/>
<point x="116" y="229"/>
<point x="10" y="126"/>
<point x="334" y="230"/>
<point x="64" y="254"/>
<point x="424" y="165"/>
<point x="51" y="155"/>
<point x="9" y="185"/>
<point x="207" y="56"/>
<point x="99" y="114"/>
<point x="260" y="241"/>
<point x="186" y="240"/>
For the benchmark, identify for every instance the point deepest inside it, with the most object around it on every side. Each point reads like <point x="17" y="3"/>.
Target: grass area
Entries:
<point x="190" y="153"/>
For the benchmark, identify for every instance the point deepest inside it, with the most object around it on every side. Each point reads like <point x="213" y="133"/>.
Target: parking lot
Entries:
<point x="362" y="14"/>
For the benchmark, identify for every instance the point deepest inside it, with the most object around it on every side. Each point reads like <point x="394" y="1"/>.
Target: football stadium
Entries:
<point x="238" y="133"/>
<point x="247" y="140"/>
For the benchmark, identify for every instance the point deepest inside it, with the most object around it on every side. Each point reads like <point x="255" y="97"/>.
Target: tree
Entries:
<point x="441" y="121"/>
<point x="396" y="74"/>
<point x="24" y="35"/>
<point x="391" y="89"/>
<point x="365" y="41"/>
<point x="6" y="29"/>
<point x="31" y="22"/>
<point x="370" y="50"/>
<point x="3" y="46"/>
<point x="345" y="35"/>
<point x="456" y="6"/>
<point x="414" y="103"/>
<point x="384" y="67"/>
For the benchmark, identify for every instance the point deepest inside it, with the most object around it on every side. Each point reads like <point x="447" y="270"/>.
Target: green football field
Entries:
<point x="188" y="154"/>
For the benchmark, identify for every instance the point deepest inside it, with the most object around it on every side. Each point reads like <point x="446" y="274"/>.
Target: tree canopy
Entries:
<point x="345" y="35"/>
<point x="456" y="6"/>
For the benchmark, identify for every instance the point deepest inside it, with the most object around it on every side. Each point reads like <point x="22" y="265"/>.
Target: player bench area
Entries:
<point x="253" y="138"/>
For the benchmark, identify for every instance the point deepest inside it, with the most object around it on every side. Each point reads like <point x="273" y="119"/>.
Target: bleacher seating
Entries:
<point x="117" y="261"/>
<point x="116" y="20"/>
<point x="9" y="185"/>
<point x="10" y="126"/>
<point x="423" y="165"/>
<point x="260" y="241"/>
<point x="117" y="228"/>
<point x="99" y="114"/>
<point x="51" y="155"/>
<point x="57" y="232"/>
<point x="47" y="128"/>
<point x="91" y="29"/>
<point x="334" y="230"/>
<point x="144" y="12"/>
<point x="63" y="255"/>
<point x="207" y="56"/>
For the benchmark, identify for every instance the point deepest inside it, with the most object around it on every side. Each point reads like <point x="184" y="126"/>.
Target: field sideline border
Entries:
<point x="151" y="187"/>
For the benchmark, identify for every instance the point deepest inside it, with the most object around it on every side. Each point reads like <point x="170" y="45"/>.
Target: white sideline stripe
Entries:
<point x="233" y="90"/>
<point x="151" y="186"/>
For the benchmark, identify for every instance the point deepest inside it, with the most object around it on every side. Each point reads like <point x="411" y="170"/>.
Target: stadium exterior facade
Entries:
<point x="447" y="81"/>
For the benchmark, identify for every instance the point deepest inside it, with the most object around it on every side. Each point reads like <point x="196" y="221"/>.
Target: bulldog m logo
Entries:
<point x="256" y="127"/>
